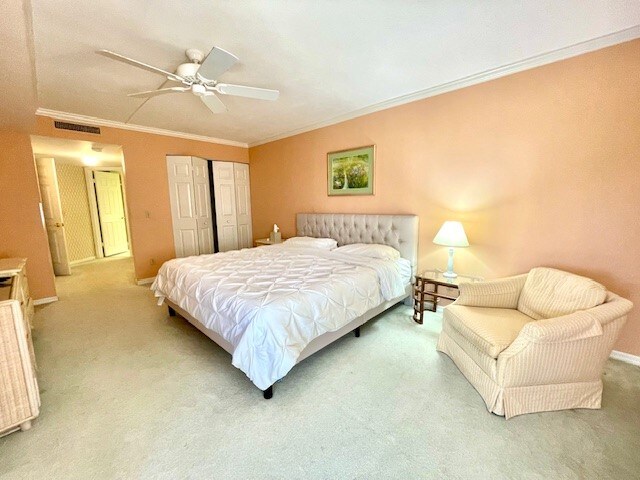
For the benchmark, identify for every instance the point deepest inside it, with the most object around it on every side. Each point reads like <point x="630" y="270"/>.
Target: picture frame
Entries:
<point x="351" y="172"/>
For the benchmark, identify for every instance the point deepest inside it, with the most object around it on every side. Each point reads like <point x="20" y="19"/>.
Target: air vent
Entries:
<point x="76" y="128"/>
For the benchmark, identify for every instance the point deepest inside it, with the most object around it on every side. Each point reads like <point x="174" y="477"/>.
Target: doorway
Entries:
<point x="83" y="200"/>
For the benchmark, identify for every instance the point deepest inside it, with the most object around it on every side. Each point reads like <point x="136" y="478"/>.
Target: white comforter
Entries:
<point x="270" y="302"/>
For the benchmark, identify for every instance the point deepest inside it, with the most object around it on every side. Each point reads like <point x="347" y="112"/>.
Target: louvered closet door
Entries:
<point x="183" y="208"/>
<point x="225" y="201"/>
<point x="243" y="204"/>
<point x="202" y="198"/>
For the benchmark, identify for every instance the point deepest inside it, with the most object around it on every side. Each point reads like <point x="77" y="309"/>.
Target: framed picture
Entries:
<point x="350" y="172"/>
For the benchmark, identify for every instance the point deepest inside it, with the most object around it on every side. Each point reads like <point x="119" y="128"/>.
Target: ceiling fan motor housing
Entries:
<point x="188" y="71"/>
<point x="194" y="55"/>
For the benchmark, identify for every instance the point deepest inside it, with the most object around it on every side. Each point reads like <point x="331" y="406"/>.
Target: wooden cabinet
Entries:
<point x="19" y="395"/>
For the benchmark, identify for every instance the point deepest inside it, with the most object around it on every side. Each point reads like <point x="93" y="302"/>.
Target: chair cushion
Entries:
<point x="491" y="330"/>
<point x="550" y="293"/>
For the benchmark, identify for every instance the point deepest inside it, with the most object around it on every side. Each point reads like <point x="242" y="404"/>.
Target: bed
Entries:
<point x="271" y="307"/>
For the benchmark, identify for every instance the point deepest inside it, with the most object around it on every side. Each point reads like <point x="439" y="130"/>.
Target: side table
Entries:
<point x="423" y="293"/>
<point x="265" y="241"/>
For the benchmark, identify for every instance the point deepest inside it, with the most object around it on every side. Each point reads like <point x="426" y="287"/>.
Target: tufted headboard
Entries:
<point x="397" y="231"/>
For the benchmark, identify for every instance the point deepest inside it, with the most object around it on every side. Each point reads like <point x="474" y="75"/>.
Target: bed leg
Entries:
<point x="268" y="393"/>
<point x="172" y="312"/>
<point x="357" y="332"/>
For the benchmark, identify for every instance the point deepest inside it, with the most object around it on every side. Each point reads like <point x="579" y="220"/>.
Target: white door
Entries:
<point x="52" y="211"/>
<point x="183" y="207"/>
<point x="202" y="197"/>
<point x="225" y="201"/>
<point x="111" y="212"/>
<point x="243" y="205"/>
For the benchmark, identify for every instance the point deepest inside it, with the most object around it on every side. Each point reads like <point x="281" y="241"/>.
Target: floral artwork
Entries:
<point x="351" y="171"/>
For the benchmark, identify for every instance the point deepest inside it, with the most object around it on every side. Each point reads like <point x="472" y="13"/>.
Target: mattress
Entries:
<point x="270" y="302"/>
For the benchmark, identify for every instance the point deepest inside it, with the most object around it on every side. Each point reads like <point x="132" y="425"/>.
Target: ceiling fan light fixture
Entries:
<point x="198" y="90"/>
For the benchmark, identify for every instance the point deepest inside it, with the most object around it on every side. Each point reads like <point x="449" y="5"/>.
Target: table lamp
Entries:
<point x="451" y="235"/>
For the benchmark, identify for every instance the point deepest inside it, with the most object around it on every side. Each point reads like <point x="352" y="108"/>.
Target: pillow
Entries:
<point x="549" y="293"/>
<point x="372" y="250"/>
<point x="323" y="243"/>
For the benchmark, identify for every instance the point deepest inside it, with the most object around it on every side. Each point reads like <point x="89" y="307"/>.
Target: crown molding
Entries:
<point x="485" y="76"/>
<point x="85" y="119"/>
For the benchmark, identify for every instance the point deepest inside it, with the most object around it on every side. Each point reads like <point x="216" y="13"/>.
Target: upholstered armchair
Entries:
<point x="534" y="342"/>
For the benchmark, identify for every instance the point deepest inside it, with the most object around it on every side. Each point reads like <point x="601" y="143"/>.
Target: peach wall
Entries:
<point x="146" y="184"/>
<point x="21" y="231"/>
<point x="542" y="167"/>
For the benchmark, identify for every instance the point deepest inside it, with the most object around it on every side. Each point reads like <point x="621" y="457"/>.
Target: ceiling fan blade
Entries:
<point x="249" y="92"/>
<point x="213" y="103"/>
<point x="161" y="91"/>
<point x="217" y="62"/>
<point x="136" y="63"/>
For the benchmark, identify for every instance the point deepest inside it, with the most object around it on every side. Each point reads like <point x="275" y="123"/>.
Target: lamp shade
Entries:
<point x="451" y="234"/>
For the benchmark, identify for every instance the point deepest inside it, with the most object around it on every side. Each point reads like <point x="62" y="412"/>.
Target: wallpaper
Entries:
<point x="75" y="211"/>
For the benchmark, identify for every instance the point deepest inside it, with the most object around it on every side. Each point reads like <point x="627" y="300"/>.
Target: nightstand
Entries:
<point x="264" y="241"/>
<point x="426" y="286"/>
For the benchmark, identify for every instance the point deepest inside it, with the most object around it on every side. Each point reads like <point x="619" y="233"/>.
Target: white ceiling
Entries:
<point x="76" y="152"/>
<point x="327" y="58"/>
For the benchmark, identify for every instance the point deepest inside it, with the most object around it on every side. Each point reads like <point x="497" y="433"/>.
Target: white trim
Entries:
<point x="93" y="212"/>
<point x="145" y="281"/>
<point x="42" y="301"/>
<point x="625" y="357"/>
<point x="85" y="119"/>
<point x="82" y="260"/>
<point x="480" y="77"/>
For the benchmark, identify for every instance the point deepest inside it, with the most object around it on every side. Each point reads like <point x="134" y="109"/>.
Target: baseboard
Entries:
<point x="42" y="301"/>
<point x="625" y="357"/>
<point x="145" y="281"/>
<point x="82" y="260"/>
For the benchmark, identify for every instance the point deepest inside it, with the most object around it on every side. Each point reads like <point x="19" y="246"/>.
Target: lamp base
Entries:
<point x="450" y="273"/>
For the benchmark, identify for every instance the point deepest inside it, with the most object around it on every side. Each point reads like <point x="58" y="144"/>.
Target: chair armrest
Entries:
<point x="570" y="348"/>
<point x="567" y="328"/>
<point x="577" y="325"/>
<point x="502" y="293"/>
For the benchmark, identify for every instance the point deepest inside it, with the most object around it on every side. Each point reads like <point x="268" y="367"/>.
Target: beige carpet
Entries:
<point x="128" y="392"/>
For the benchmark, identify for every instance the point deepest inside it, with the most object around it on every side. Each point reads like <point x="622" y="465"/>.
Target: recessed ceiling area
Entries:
<point x="77" y="152"/>
<point x="327" y="58"/>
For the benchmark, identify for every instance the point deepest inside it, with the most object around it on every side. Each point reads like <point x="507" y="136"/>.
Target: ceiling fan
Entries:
<point x="200" y="77"/>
